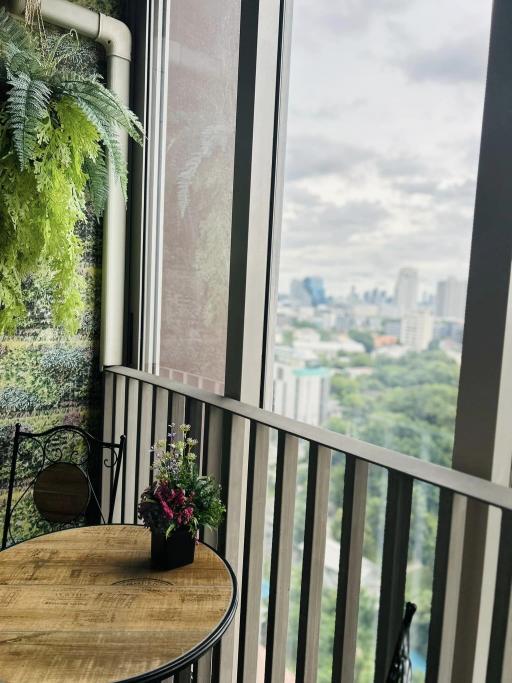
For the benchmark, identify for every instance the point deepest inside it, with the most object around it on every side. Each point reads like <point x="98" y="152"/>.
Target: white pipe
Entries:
<point x="116" y="38"/>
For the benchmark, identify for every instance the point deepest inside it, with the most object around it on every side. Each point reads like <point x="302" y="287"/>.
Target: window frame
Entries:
<point x="485" y="387"/>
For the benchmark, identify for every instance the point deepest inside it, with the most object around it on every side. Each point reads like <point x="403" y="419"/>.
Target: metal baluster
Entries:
<point x="281" y="559"/>
<point x="453" y="583"/>
<point x="161" y="415"/>
<point x="499" y="665"/>
<point x="253" y="553"/>
<point x="349" y="574"/>
<point x="439" y="584"/>
<point x="194" y="416"/>
<point x="234" y="468"/>
<point x="108" y="422"/>
<point x="118" y="429"/>
<point x="315" y="534"/>
<point x="394" y="570"/>
<point x="130" y="457"/>
<point x="178" y="411"/>
<point x="212" y="458"/>
<point x="145" y="436"/>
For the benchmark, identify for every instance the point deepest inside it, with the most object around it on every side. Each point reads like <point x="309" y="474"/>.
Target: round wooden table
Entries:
<point x="83" y="606"/>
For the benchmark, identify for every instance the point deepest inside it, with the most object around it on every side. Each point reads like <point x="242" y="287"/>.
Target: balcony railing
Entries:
<point x="234" y="443"/>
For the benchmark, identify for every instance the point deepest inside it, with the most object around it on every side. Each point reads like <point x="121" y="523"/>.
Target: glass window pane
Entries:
<point x="383" y="134"/>
<point x="202" y="79"/>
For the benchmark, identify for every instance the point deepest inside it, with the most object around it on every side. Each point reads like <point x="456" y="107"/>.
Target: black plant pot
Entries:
<point x="173" y="552"/>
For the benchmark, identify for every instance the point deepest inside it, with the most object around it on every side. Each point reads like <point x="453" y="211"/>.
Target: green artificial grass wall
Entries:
<point x="47" y="378"/>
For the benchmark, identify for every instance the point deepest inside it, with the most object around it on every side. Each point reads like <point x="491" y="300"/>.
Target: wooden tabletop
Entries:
<point x="83" y="606"/>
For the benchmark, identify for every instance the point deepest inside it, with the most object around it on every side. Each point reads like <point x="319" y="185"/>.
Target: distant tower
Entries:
<point x="316" y="289"/>
<point x="417" y="329"/>
<point x="406" y="290"/>
<point x="299" y="294"/>
<point x="451" y="298"/>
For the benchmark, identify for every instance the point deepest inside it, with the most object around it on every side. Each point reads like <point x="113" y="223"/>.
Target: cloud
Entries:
<point x="463" y="61"/>
<point x="365" y="242"/>
<point x="380" y="162"/>
<point x="410" y="176"/>
<point x="309" y="221"/>
<point x="349" y="15"/>
<point x="401" y="166"/>
<point x="312" y="156"/>
<point x="462" y="192"/>
<point x="375" y="260"/>
<point x="420" y="186"/>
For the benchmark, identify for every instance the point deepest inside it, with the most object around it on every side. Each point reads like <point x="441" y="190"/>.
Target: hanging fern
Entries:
<point x="13" y="35"/>
<point x="97" y="183"/>
<point x="58" y="129"/>
<point x="27" y="109"/>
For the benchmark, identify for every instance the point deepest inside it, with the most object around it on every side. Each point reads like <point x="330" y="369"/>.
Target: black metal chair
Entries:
<point x="401" y="667"/>
<point x="62" y="466"/>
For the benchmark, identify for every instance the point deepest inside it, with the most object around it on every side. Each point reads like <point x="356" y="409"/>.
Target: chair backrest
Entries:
<point x="401" y="667"/>
<point x="62" y="467"/>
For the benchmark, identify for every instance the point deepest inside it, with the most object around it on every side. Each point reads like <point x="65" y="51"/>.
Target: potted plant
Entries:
<point x="178" y="502"/>
<point x="58" y="138"/>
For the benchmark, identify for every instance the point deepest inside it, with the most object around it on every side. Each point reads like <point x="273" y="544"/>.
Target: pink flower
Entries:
<point x="165" y="507"/>
<point x="167" y="510"/>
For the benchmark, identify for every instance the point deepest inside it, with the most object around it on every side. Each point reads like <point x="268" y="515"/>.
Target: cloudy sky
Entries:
<point x="385" y="110"/>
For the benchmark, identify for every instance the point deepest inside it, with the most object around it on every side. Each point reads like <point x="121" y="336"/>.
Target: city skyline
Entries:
<point x="386" y="294"/>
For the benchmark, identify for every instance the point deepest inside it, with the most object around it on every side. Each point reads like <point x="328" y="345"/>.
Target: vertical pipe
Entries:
<point x="114" y="236"/>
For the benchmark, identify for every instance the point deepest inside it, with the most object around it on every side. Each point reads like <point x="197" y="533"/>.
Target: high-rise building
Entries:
<point x="316" y="289"/>
<point x="406" y="290"/>
<point x="302" y="393"/>
<point x="417" y="330"/>
<point x="392" y="327"/>
<point x="451" y="298"/>
<point x="299" y="294"/>
<point x="308" y="292"/>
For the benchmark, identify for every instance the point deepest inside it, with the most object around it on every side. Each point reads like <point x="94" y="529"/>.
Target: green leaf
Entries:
<point x="58" y="129"/>
<point x="97" y="184"/>
<point x="27" y="108"/>
<point x="14" y="33"/>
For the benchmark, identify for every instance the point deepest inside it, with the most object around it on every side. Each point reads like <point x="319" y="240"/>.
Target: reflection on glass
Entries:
<point x="383" y="134"/>
<point x="203" y="67"/>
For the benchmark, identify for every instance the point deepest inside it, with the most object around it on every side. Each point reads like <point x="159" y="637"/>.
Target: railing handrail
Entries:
<point x="437" y="475"/>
